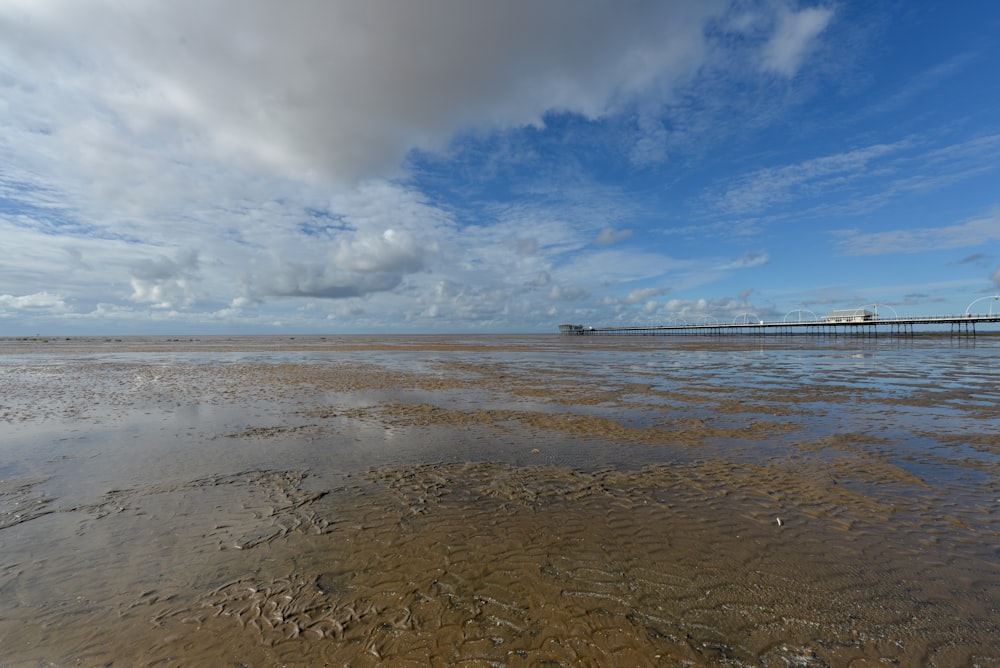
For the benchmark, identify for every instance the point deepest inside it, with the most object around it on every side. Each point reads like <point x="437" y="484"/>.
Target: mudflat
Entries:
<point x="500" y="500"/>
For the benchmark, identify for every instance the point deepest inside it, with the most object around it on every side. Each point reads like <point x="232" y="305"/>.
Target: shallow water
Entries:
<point x="500" y="500"/>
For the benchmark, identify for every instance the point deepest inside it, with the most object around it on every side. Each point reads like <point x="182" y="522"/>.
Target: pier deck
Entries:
<point x="959" y="325"/>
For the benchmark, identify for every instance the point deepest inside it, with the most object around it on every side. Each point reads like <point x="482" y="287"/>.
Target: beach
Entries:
<point x="489" y="500"/>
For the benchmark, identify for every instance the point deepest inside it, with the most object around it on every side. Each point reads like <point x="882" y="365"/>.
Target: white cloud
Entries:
<point x="320" y="280"/>
<point x="794" y="38"/>
<point x="766" y="188"/>
<point x="713" y="311"/>
<point x="391" y="251"/>
<point x="567" y="293"/>
<point x="342" y="89"/>
<point x="37" y="302"/>
<point x="651" y="142"/>
<point x="164" y="282"/>
<point x="644" y="294"/>
<point x="858" y="181"/>
<point x="925" y="81"/>
<point x="543" y="279"/>
<point x="960" y="235"/>
<point x="617" y="267"/>
<point x="609" y="235"/>
<point x="748" y="260"/>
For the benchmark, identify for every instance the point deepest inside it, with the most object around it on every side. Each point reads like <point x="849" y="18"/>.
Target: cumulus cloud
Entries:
<point x="164" y="282"/>
<point x="343" y="89"/>
<point x="392" y="251"/>
<point x="357" y="265"/>
<point x="794" y="38"/>
<point x="39" y="301"/>
<point x="322" y="281"/>
<point x="710" y="311"/>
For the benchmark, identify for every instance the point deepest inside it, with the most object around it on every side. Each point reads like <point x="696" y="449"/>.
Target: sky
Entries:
<point x="464" y="166"/>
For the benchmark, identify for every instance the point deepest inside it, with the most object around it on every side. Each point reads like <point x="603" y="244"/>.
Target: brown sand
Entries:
<point x="367" y="512"/>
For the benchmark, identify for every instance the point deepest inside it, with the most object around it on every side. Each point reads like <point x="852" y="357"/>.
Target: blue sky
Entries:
<point x="464" y="166"/>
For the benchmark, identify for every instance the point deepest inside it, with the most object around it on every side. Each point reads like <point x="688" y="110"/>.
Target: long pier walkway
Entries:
<point x="959" y="325"/>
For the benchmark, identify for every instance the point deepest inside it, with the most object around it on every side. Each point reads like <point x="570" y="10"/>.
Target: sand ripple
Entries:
<point x="497" y="565"/>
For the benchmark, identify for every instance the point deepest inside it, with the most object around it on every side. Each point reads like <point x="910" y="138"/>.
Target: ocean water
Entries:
<point x="500" y="500"/>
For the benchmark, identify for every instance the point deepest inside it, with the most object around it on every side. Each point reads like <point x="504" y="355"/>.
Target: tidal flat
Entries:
<point x="500" y="501"/>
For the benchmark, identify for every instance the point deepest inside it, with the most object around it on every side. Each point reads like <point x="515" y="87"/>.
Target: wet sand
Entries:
<point x="488" y="501"/>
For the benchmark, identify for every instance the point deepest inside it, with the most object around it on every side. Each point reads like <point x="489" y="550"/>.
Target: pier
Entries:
<point x="958" y="325"/>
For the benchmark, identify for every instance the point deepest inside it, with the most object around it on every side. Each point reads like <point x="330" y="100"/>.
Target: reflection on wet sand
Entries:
<point x="391" y="511"/>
